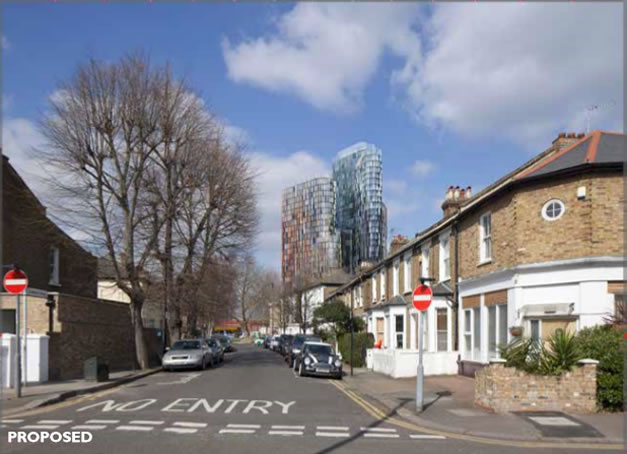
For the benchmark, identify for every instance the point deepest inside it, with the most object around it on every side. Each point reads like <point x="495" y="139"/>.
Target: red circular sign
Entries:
<point x="15" y="281"/>
<point x="422" y="297"/>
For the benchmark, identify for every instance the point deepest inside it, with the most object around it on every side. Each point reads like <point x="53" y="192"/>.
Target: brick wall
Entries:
<point x="520" y="235"/>
<point x="505" y="389"/>
<point x="28" y="236"/>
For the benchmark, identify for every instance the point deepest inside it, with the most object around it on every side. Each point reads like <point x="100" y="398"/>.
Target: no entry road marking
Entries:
<point x="11" y="421"/>
<point x="427" y="437"/>
<point x="190" y="424"/>
<point x="333" y="434"/>
<point x="285" y="433"/>
<point x="136" y="428"/>
<point x="148" y="423"/>
<point x="243" y="426"/>
<point x="40" y="426"/>
<point x="180" y="430"/>
<point x="237" y="431"/>
<point x="90" y="427"/>
<point x="332" y="428"/>
<point x="289" y="427"/>
<point x="54" y="421"/>
<point x="376" y="429"/>
<point x="380" y="435"/>
<point x="103" y="421"/>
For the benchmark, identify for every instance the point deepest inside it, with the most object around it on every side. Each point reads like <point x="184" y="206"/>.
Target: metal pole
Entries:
<point x="18" y="352"/>
<point x="352" y="330"/>
<point x="25" y="356"/>
<point x="420" y="374"/>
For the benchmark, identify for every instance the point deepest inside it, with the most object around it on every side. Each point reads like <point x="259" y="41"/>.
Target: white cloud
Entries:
<point x="517" y="71"/>
<point x="422" y="168"/>
<point x="325" y="53"/>
<point x="275" y="174"/>
<point x="395" y="186"/>
<point x="521" y="71"/>
<point x="6" y="45"/>
<point x="20" y="138"/>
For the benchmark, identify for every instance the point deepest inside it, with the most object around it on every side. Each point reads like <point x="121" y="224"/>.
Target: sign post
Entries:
<point x="15" y="282"/>
<point x="421" y="299"/>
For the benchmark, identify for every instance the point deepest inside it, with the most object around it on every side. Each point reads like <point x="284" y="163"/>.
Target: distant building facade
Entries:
<point x="361" y="215"/>
<point x="309" y="239"/>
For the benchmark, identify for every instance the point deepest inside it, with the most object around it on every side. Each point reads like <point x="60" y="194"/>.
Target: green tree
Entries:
<point x="337" y="316"/>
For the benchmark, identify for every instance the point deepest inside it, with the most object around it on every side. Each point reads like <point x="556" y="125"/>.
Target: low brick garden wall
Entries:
<point x="504" y="389"/>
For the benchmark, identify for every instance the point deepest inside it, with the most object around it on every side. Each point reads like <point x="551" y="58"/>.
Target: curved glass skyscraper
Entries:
<point x="361" y="216"/>
<point x="336" y="222"/>
<point x="309" y="238"/>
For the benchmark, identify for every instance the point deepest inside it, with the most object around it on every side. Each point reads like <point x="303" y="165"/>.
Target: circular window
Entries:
<point x="553" y="210"/>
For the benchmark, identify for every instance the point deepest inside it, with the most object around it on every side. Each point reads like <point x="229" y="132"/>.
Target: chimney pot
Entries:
<point x="468" y="192"/>
<point x="580" y="135"/>
<point x="561" y="135"/>
<point x="571" y="135"/>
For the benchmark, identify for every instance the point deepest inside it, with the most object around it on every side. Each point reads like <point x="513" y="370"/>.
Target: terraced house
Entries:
<point x="541" y="248"/>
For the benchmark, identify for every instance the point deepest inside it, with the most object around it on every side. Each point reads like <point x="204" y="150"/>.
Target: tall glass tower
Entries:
<point x="309" y="239"/>
<point x="361" y="215"/>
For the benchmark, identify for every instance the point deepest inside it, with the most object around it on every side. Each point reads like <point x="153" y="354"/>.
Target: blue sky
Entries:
<point x="452" y="94"/>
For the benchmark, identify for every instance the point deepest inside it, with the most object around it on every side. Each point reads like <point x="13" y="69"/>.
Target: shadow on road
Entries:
<point x="376" y="423"/>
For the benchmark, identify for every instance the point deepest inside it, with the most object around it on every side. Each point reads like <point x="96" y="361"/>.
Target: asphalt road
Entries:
<point x="253" y="403"/>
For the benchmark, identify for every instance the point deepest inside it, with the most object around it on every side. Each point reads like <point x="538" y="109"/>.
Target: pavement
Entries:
<point x="449" y="406"/>
<point x="252" y="402"/>
<point x="34" y="396"/>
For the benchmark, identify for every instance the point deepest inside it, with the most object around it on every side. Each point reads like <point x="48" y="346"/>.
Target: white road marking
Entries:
<point x="54" y="421"/>
<point x="332" y="428"/>
<point x="40" y="426"/>
<point x="89" y="427"/>
<point x="380" y="435"/>
<point x="332" y="434"/>
<point x="289" y="427"/>
<point x="553" y="421"/>
<point x="377" y="429"/>
<point x="138" y="428"/>
<point x="244" y="426"/>
<point x="237" y="431"/>
<point x="11" y="421"/>
<point x="189" y="424"/>
<point x="103" y="421"/>
<point x="155" y="423"/>
<point x="427" y="437"/>
<point x="285" y="433"/>
<point x="180" y="430"/>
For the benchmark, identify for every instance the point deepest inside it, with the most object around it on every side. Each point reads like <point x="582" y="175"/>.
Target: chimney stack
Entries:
<point x="564" y="140"/>
<point x="397" y="242"/>
<point x="454" y="197"/>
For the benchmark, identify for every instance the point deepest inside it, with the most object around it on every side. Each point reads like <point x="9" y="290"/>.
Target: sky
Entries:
<point x="453" y="94"/>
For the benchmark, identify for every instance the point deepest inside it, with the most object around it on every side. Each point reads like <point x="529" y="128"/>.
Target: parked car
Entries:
<point x="284" y="343"/>
<point x="296" y="346"/>
<point x="187" y="354"/>
<point x="318" y="358"/>
<point x="274" y="342"/>
<point x="217" y="348"/>
<point x="266" y="341"/>
<point x="225" y="341"/>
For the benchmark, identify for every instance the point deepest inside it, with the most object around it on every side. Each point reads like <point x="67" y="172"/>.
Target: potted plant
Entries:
<point x="516" y="331"/>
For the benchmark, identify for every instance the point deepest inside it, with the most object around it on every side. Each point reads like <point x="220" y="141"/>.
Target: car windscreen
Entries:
<point x="298" y="341"/>
<point x="186" y="345"/>
<point x="313" y="339"/>
<point x="319" y="350"/>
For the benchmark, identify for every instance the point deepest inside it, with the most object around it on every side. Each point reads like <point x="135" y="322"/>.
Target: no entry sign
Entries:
<point x="15" y="282"/>
<point x="422" y="297"/>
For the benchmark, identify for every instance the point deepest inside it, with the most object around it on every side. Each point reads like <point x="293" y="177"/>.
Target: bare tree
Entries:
<point x="102" y="131"/>
<point x="256" y="288"/>
<point x="302" y="301"/>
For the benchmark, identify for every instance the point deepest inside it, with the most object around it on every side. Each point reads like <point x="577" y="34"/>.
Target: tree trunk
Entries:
<point x="141" y="351"/>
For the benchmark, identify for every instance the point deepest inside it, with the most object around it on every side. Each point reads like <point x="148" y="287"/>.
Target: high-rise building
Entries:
<point x="309" y="239"/>
<point x="361" y="215"/>
<point x="337" y="222"/>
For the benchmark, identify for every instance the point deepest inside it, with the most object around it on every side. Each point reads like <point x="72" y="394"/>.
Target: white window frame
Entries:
<point x="497" y="327"/>
<point x="54" y="266"/>
<point x="485" y="239"/>
<point x="424" y="271"/>
<point x="400" y="333"/>
<point x="382" y="283"/>
<point x="396" y="277"/>
<point x="446" y="329"/>
<point x="546" y="206"/>
<point x="473" y="334"/>
<point x="445" y="268"/>
<point x="407" y="273"/>
<point x="539" y="320"/>
<point x="374" y="288"/>
<point x="359" y="297"/>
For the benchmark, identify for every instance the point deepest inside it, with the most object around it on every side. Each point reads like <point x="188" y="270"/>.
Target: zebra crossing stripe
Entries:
<point x="332" y="434"/>
<point x="427" y="437"/>
<point x="90" y="427"/>
<point x="180" y="430"/>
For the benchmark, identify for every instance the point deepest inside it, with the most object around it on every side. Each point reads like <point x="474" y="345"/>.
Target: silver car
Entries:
<point x="187" y="354"/>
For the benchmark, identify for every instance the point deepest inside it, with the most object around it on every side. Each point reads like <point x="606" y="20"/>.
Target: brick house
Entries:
<point x="539" y="249"/>
<point x="80" y="326"/>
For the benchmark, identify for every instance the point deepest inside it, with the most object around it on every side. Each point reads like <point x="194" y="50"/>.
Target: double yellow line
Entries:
<point x="381" y="415"/>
